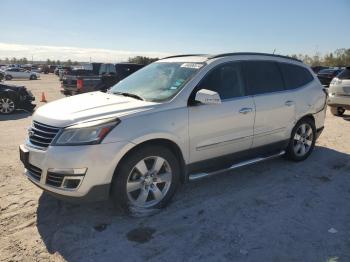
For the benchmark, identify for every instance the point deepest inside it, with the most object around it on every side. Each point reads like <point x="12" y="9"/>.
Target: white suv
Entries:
<point x="178" y="119"/>
<point x="339" y="93"/>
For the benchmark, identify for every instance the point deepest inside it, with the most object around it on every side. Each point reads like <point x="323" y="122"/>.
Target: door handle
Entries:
<point x="246" y="110"/>
<point x="289" y="103"/>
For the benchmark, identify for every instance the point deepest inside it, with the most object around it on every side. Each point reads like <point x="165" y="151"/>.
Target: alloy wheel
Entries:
<point x="149" y="182"/>
<point x="7" y="105"/>
<point x="303" y="139"/>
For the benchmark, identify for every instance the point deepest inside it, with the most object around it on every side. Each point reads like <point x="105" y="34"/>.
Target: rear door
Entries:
<point x="221" y="129"/>
<point x="275" y="106"/>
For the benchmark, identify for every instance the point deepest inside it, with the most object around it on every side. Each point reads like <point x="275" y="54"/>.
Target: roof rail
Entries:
<point x="173" y="56"/>
<point x="252" y="53"/>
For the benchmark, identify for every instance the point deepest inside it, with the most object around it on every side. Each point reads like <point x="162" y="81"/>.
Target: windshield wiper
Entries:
<point x="129" y="95"/>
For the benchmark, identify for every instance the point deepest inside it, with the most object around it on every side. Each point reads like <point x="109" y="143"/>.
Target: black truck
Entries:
<point x="98" y="77"/>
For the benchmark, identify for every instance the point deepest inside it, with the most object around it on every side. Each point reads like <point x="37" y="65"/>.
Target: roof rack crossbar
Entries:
<point x="251" y="53"/>
<point x="174" y="56"/>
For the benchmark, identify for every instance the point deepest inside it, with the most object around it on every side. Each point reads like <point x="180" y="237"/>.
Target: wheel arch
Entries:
<point x="164" y="142"/>
<point x="308" y="116"/>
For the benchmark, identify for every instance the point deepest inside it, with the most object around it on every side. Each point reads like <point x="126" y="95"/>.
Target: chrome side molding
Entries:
<point x="197" y="176"/>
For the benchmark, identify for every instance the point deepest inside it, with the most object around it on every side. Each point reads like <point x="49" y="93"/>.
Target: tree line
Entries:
<point x="339" y="58"/>
<point x="24" y="60"/>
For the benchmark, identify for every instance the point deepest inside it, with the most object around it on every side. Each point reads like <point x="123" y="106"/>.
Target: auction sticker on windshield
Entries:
<point x="192" y="65"/>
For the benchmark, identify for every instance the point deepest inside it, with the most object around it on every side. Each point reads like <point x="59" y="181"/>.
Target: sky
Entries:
<point x="107" y="30"/>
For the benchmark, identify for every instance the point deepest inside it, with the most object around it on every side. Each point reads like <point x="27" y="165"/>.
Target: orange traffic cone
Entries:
<point x="43" y="98"/>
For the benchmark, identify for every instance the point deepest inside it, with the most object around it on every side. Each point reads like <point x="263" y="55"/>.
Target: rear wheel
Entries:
<point x="146" y="179"/>
<point x="33" y="77"/>
<point x="8" y="77"/>
<point x="7" y="105"/>
<point x="302" y="140"/>
<point x="337" y="111"/>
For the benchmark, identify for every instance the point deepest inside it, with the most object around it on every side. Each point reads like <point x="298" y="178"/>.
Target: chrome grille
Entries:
<point x="42" y="135"/>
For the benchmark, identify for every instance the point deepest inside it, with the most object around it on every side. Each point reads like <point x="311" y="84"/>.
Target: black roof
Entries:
<point x="234" y="54"/>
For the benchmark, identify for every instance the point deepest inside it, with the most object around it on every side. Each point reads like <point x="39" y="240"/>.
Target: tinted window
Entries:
<point x="295" y="76"/>
<point x="226" y="80"/>
<point x="103" y="69"/>
<point x="345" y="74"/>
<point x="262" y="77"/>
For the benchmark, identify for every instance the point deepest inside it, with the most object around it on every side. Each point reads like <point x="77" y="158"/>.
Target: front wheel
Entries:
<point x="337" y="111"/>
<point x="302" y="140"/>
<point x="146" y="180"/>
<point x="8" y="77"/>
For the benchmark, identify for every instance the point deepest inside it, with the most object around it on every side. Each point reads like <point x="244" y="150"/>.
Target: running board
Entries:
<point x="193" y="177"/>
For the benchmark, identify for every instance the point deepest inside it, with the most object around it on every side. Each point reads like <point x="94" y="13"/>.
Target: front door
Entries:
<point x="221" y="129"/>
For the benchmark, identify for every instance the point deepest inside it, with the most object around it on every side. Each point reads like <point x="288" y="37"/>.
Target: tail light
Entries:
<point x="80" y="84"/>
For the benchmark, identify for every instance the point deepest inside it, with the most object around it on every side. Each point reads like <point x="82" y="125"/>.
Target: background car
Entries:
<point x="339" y="93"/>
<point x="326" y="75"/>
<point x="99" y="77"/>
<point x="317" y="69"/>
<point x="15" y="97"/>
<point x="11" y="73"/>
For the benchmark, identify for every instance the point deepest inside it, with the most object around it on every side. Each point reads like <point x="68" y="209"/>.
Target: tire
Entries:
<point x="8" y="77"/>
<point x="7" y="105"/>
<point x="302" y="141"/>
<point x="33" y="77"/>
<point x="337" y="111"/>
<point x="137" y="188"/>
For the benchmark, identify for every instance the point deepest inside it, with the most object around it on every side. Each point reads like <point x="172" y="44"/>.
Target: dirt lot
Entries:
<point x="272" y="211"/>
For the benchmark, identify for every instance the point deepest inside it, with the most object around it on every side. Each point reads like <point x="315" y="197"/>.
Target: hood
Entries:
<point x="89" y="106"/>
<point x="12" y="87"/>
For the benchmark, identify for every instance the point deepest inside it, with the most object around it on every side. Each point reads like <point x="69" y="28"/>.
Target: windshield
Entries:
<point x="157" y="82"/>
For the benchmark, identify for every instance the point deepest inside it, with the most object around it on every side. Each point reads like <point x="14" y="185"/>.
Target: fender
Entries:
<point x="180" y="142"/>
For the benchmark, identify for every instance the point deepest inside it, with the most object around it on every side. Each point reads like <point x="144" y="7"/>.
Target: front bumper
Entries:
<point x="99" y="161"/>
<point x="26" y="102"/>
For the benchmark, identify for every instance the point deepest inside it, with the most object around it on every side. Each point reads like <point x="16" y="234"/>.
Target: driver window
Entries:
<point x="226" y="80"/>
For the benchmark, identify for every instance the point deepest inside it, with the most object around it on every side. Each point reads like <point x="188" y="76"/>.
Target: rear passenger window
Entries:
<point x="295" y="76"/>
<point x="226" y="80"/>
<point x="262" y="77"/>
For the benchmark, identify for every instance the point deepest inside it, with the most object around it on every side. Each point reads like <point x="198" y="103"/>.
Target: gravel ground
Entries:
<point x="272" y="211"/>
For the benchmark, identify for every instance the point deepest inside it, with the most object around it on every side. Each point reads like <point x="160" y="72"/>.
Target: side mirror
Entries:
<point x="207" y="97"/>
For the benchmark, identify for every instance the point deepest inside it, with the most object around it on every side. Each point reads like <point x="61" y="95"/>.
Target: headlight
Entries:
<point x="87" y="133"/>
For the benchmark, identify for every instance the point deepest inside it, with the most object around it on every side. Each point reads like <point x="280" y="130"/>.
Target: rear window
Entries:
<point x="79" y="72"/>
<point x="327" y="71"/>
<point x="295" y="76"/>
<point x="345" y="74"/>
<point x="262" y="77"/>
